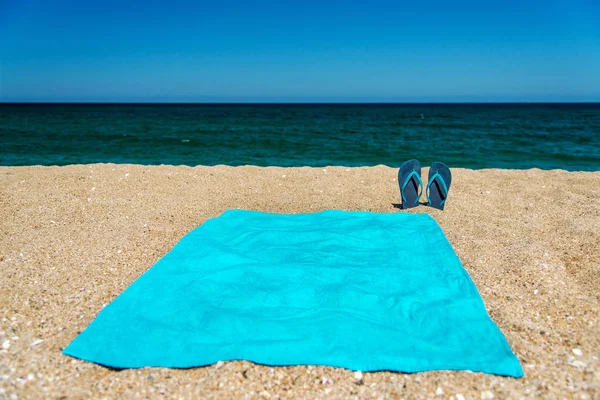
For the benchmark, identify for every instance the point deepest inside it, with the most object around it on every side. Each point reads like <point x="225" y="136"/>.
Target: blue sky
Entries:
<point x="299" y="51"/>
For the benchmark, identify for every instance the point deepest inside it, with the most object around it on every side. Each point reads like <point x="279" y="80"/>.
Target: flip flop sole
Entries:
<point x="409" y="179"/>
<point x="438" y="185"/>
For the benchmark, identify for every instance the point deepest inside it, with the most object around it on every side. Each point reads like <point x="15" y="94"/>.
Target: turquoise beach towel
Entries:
<point x="358" y="290"/>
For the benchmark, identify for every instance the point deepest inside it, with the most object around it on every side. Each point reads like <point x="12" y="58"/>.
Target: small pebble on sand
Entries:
<point x="358" y="377"/>
<point x="487" y="395"/>
<point x="577" y="364"/>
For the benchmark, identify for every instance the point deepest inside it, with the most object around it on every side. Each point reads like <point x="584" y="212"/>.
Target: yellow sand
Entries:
<point x="73" y="238"/>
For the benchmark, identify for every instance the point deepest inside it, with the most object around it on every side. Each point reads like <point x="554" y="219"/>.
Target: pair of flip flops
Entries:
<point x="411" y="186"/>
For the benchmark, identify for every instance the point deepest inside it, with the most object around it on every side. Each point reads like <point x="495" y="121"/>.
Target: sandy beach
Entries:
<point x="73" y="238"/>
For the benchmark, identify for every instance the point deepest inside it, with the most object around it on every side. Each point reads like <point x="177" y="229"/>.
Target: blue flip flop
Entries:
<point x="411" y="186"/>
<point x="438" y="185"/>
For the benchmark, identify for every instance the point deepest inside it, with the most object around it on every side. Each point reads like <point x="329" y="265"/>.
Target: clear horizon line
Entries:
<point x="297" y="102"/>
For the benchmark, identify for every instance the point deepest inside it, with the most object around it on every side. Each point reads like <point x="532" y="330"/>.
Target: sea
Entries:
<point x="476" y="136"/>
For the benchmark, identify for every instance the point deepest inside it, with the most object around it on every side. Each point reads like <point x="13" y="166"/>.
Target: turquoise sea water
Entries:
<point x="546" y="136"/>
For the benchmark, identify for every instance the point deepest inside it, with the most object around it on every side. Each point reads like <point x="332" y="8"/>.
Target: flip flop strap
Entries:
<point x="443" y="184"/>
<point x="408" y="178"/>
